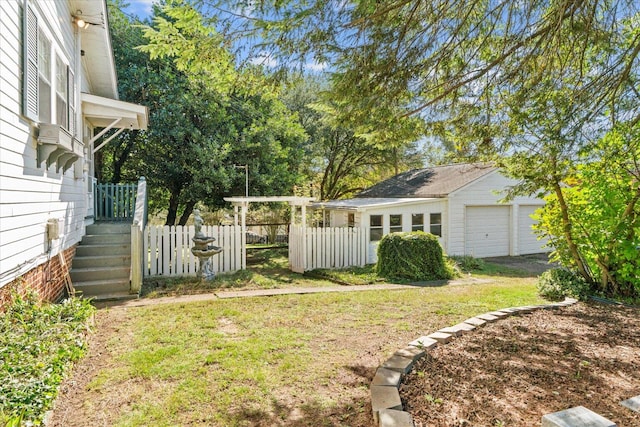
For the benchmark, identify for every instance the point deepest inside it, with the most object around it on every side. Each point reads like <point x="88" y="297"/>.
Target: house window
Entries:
<point x="417" y="222"/>
<point x="351" y="219"/>
<point x="375" y="231"/>
<point x="395" y="223"/>
<point x="62" y="95"/>
<point x="44" y="79"/>
<point x="435" y="224"/>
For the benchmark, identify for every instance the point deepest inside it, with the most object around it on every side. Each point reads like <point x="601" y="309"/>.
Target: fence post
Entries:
<point x="137" y="228"/>
<point x="136" y="258"/>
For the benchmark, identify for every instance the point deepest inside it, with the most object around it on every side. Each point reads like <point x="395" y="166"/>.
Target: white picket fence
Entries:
<point x="337" y="247"/>
<point x="168" y="249"/>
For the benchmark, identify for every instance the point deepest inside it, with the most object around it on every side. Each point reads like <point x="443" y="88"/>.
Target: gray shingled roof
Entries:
<point x="437" y="181"/>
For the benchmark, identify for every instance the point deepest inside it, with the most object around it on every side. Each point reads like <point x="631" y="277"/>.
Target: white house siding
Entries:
<point x="31" y="195"/>
<point x="483" y="193"/>
<point x="528" y="242"/>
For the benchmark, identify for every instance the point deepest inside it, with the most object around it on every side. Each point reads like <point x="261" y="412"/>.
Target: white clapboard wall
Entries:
<point x="168" y="249"/>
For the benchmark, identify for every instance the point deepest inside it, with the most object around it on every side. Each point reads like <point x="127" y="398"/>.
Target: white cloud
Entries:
<point x="265" y="59"/>
<point x="316" y="66"/>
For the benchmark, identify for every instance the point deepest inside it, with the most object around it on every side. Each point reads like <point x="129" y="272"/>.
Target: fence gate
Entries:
<point x="336" y="247"/>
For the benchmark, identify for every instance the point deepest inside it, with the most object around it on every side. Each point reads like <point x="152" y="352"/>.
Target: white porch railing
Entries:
<point x="168" y="249"/>
<point x="315" y="247"/>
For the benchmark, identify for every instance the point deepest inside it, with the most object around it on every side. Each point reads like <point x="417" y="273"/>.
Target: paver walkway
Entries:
<point x="273" y="292"/>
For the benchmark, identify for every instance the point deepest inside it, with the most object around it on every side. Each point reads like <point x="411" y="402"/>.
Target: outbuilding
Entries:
<point x="460" y="203"/>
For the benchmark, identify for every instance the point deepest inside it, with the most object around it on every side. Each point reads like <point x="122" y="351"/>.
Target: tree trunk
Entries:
<point x="566" y="227"/>
<point x="119" y="161"/>
<point x="174" y="202"/>
<point x="97" y="165"/>
<point x="187" y="213"/>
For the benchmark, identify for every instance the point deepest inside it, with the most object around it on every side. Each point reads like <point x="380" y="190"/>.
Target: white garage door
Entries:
<point x="487" y="231"/>
<point x="527" y="240"/>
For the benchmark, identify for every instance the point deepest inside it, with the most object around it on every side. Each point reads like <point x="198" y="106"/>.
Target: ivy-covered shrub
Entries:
<point x="557" y="283"/>
<point x="412" y="256"/>
<point x="38" y="342"/>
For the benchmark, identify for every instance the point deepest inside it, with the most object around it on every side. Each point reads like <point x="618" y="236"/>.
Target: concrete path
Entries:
<point x="274" y="292"/>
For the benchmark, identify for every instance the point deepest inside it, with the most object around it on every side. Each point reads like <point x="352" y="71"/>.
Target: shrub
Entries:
<point x="557" y="283"/>
<point x="37" y="344"/>
<point x="412" y="256"/>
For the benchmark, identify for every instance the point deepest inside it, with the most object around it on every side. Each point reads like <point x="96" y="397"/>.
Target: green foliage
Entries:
<point x="557" y="283"/>
<point x="344" y="157"/>
<point x="467" y="263"/>
<point x="38" y="342"/>
<point x="604" y="220"/>
<point x="413" y="256"/>
<point x="202" y="119"/>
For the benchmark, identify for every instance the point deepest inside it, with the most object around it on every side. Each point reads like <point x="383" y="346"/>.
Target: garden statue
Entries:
<point x="202" y="249"/>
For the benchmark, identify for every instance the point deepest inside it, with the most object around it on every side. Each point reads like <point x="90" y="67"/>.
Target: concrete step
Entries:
<point x="97" y="250"/>
<point x="99" y="239"/>
<point x="109" y="228"/>
<point x="98" y="288"/>
<point x="99" y="273"/>
<point x="101" y="261"/>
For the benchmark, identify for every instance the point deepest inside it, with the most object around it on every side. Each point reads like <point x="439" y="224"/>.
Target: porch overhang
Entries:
<point x="110" y="113"/>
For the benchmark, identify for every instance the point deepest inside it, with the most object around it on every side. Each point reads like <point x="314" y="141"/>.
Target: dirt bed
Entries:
<point x="512" y="372"/>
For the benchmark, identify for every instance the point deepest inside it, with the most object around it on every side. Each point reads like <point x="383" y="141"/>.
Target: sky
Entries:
<point x="140" y="8"/>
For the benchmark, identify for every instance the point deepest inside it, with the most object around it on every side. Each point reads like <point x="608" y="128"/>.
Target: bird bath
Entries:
<point x="202" y="249"/>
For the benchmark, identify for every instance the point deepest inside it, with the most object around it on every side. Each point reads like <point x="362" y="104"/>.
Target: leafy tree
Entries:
<point x="199" y="127"/>
<point x="603" y="204"/>
<point x="344" y="162"/>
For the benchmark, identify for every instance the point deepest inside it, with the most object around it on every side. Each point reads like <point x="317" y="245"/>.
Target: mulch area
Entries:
<point x="514" y="371"/>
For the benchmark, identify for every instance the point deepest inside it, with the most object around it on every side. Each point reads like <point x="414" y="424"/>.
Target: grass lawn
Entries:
<point x="294" y="360"/>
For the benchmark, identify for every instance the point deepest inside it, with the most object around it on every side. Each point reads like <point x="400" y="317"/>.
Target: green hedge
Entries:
<point x="413" y="256"/>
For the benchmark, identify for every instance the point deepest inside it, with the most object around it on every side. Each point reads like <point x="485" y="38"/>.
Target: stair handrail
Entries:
<point x="137" y="229"/>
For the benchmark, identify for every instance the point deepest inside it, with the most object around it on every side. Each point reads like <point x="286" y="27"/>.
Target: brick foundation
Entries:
<point x="47" y="280"/>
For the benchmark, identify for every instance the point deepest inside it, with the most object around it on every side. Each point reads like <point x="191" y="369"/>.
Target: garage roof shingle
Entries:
<point x="437" y="181"/>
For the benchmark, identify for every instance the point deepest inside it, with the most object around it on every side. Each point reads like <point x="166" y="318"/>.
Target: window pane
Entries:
<point x="351" y="220"/>
<point x="44" y="79"/>
<point x="395" y="223"/>
<point x="435" y="222"/>
<point x="61" y="93"/>
<point x="417" y="222"/>
<point x="44" y="101"/>
<point x="375" y="220"/>
<point x="375" y="234"/>
<point x="44" y="57"/>
<point x="61" y="77"/>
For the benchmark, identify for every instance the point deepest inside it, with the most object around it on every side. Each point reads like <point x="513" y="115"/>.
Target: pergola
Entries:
<point x="242" y="204"/>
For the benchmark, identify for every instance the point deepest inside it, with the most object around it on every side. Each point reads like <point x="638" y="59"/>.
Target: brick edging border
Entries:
<point x="384" y="389"/>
